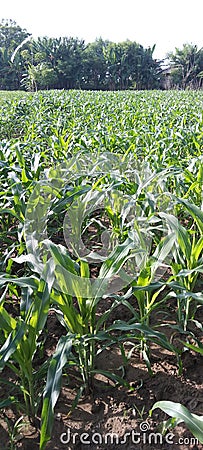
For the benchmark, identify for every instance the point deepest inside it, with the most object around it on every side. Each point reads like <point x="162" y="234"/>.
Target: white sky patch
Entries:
<point x="168" y="24"/>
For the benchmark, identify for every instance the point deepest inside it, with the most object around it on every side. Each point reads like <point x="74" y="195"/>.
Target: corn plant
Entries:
<point x="87" y="334"/>
<point x="135" y="157"/>
<point x="14" y="430"/>
<point x="190" y="182"/>
<point x="181" y="414"/>
<point x="188" y="261"/>
<point x="22" y="336"/>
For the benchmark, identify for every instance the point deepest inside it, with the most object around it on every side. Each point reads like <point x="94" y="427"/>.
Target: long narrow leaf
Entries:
<point x="195" y="212"/>
<point x="178" y="411"/>
<point x="151" y="334"/>
<point x="52" y="388"/>
<point x="11" y="343"/>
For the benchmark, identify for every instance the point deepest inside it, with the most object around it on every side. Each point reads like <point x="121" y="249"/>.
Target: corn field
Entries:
<point x="101" y="201"/>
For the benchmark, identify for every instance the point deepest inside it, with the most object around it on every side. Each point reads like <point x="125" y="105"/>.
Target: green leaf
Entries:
<point x="8" y="402"/>
<point x="197" y="249"/>
<point x="53" y="387"/>
<point x="112" y="266"/>
<point x="67" y="279"/>
<point x="114" y="377"/>
<point x="11" y="343"/>
<point x="182" y="234"/>
<point x="185" y="272"/>
<point x="21" y="281"/>
<point x="195" y="212"/>
<point x="42" y="300"/>
<point x="60" y="255"/>
<point x="162" y="251"/>
<point x="7" y="323"/>
<point x="194" y="347"/>
<point x="154" y="336"/>
<point x="178" y="411"/>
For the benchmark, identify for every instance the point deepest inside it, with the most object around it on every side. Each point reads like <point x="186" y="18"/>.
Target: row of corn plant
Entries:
<point x="149" y="248"/>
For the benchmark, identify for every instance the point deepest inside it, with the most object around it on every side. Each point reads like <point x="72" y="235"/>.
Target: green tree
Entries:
<point x="93" y="74"/>
<point x="67" y="63"/>
<point x="129" y="65"/>
<point x="11" y="35"/>
<point x="39" y="77"/>
<point x="186" y="66"/>
<point x="62" y="58"/>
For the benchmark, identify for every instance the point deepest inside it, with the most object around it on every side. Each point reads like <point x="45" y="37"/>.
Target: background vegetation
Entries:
<point x="69" y="63"/>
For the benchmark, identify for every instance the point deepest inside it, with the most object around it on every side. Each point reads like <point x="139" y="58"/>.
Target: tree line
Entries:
<point x="69" y="63"/>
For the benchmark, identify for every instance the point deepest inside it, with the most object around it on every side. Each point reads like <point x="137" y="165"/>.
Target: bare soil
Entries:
<point x="117" y="417"/>
<point x="115" y="409"/>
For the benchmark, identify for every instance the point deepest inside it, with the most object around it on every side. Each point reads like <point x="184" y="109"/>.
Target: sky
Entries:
<point x="168" y="24"/>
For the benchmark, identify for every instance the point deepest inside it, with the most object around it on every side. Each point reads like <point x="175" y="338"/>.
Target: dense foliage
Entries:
<point x="69" y="63"/>
<point x="187" y="67"/>
<point x="139" y="155"/>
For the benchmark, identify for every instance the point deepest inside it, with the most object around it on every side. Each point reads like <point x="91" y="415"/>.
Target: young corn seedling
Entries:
<point x="75" y="299"/>
<point x="190" y="182"/>
<point x="22" y="336"/>
<point x="149" y="293"/>
<point x="188" y="261"/>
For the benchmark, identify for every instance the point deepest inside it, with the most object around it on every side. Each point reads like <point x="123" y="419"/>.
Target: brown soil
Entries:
<point x="116" y="409"/>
